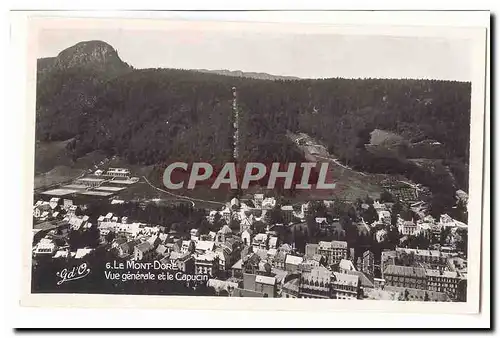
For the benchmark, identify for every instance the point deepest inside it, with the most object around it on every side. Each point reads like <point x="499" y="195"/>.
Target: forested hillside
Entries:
<point x="156" y="116"/>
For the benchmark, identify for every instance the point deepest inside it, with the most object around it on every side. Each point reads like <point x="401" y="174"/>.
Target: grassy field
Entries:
<point x="350" y="184"/>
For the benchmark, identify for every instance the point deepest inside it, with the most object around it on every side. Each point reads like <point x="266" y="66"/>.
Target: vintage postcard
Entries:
<point x="294" y="165"/>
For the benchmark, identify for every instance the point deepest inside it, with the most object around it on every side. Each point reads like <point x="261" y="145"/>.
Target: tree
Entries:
<point x="370" y="215"/>
<point x="275" y="215"/>
<point x="110" y="237"/>
<point x="368" y="200"/>
<point x="386" y="197"/>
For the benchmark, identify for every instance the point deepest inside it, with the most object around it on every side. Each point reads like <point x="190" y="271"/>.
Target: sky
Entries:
<point x="280" y="53"/>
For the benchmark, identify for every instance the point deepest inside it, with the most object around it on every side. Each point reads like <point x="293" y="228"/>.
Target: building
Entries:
<point x="368" y="262"/>
<point x="290" y="289"/>
<point x="292" y="263"/>
<point x="448" y="282"/>
<point x="127" y="249"/>
<point x="447" y="222"/>
<point x="90" y="182"/>
<point x="265" y="285"/>
<point x="316" y="284"/>
<point x="405" y="276"/>
<point x="334" y="251"/>
<point x="345" y="286"/>
<point x="224" y="233"/>
<point x="261" y="286"/>
<point x="346" y="265"/>
<point x="387" y="257"/>
<point x="46" y="246"/>
<point x="384" y="216"/>
<point x="184" y="262"/>
<point x="202" y="247"/>
<point x="406" y="228"/>
<point x="279" y="260"/>
<point x="118" y="172"/>
<point x="206" y="264"/>
<point x="246" y="237"/>
<point x="260" y="241"/>
<point x="143" y="251"/>
<point x="288" y="213"/>
<point x="187" y="247"/>
<point x="433" y="258"/>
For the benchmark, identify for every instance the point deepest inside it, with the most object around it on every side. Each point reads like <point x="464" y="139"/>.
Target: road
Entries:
<point x="183" y="197"/>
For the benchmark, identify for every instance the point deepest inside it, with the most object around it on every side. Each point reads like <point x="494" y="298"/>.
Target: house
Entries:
<point x="311" y="249"/>
<point x="195" y="233"/>
<point x="41" y="210"/>
<point x="118" y="241"/>
<point x="406" y="228"/>
<point x="82" y="252"/>
<point x="257" y="200"/>
<point x="162" y="250"/>
<point x="202" y="247"/>
<point x="118" y="172"/>
<point x="264" y="285"/>
<point x="448" y="222"/>
<point x="269" y="203"/>
<point x="246" y="236"/>
<point x="345" y="286"/>
<point x="384" y="216"/>
<point x="207" y="263"/>
<point x="288" y="213"/>
<point x="143" y="251"/>
<point x="224" y="256"/>
<point x="451" y="283"/>
<point x="46" y="246"/>
<point x="273" y="242"/>
<point x="183" y="261"/>
<point x="405" y="276"/>
<point x="290" y="289"/>
<point x="334" y="251"/>
<point x="279" y="259"/>
<point x="237" y="269"/>
<point x="315" y="284"/>
<point x="187" y="247"/>
<point x="55" y="202"/>
<point x="260" y="241"/>
<point x="292" y="263"/>
<point x="346" y="265"/>
<point x="127" y="249"/>
<point x="223" y="233"/>
<point x="368" y="262"/>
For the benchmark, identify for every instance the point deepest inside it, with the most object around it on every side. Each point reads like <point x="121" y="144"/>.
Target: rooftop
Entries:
<point x="400" y="270"/>
<point x="59" y="192"/>
<point x="265" y="280"/>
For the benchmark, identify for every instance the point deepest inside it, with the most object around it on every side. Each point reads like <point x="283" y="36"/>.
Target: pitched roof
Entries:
<point x="205" y="245"/>
<point x="400" y="270"/>
<point x="346" y="264"/>
<point x="346" y="279"/>
<point x="265" y="280"/>
<point x="144" y="247"/>
<point x="294" y="260"/>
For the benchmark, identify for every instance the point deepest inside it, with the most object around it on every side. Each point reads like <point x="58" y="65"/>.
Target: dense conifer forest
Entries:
<point x="157" y="116"/>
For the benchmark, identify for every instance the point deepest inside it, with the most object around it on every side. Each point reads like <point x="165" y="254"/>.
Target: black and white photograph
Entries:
<point x="219" y="159"/>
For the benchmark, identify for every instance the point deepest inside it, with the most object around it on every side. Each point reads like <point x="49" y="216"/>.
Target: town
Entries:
<point x="390" y="248"/>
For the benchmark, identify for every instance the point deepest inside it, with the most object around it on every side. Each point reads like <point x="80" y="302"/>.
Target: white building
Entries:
<point x="118" y="172"/>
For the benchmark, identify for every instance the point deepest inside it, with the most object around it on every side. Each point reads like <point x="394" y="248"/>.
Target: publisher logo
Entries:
<point x="74" y="273"/>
